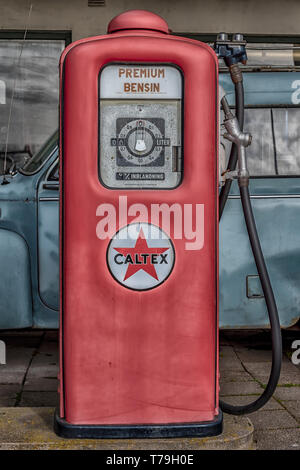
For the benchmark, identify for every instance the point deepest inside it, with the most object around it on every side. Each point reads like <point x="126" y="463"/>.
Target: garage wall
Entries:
<point x="247" y="16"/>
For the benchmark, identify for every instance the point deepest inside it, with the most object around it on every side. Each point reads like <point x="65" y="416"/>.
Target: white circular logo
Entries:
<point x="140" y="256"/>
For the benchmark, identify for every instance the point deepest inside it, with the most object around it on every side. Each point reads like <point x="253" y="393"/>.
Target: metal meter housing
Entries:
<point x="140" y="126"/>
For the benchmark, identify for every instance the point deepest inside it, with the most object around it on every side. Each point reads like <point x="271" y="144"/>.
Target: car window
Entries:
<point x="37" y="161"/>
<point x="287" y="140"/>
<point x="260" y="154"/>
<point x="54" y="173"/>
<point x="275" y="146"/>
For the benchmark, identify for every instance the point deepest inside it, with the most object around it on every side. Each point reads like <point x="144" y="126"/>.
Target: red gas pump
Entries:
<point x="139" y="243"/>
<point x="139" y="233"/>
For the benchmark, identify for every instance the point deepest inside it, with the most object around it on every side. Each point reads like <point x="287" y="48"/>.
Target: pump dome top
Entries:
<point x="138" y="19"/>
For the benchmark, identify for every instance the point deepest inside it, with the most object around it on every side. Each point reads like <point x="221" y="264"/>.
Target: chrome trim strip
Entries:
<point x="266" y="196"/>
<point x="49" y="199"/>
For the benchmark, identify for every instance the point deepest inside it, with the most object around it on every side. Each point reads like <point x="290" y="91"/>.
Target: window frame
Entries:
<point x="250" y="38"/>
<point x="50" y="35"/>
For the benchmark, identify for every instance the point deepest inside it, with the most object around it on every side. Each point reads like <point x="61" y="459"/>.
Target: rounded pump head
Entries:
<point x="138" y="19"/>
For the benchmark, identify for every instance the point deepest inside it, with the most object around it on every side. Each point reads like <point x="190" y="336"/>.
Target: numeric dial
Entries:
<point x="139" y="142"/>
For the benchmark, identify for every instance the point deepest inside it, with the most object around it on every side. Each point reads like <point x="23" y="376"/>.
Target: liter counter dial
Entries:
<point x="140" y="142"/>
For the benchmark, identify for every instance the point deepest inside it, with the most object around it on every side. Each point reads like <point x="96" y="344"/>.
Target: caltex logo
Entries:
<point x="140" y="256"/>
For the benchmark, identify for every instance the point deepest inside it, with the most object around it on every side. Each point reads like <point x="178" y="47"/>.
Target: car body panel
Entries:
<point x="280" y="246"/>
<point x="19" y="215"/>
<point x="15" y="298"/>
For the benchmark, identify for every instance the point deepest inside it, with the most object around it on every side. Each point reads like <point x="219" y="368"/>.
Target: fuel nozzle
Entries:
<point x="240" y="139"/>
<point x="226" y="109"/>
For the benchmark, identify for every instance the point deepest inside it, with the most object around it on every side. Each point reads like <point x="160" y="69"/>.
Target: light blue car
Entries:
<point x="29" y="219"/>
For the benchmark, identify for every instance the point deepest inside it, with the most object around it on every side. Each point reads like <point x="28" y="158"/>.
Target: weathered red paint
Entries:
<point x="131" y="357"/>
<point x="138" y="19"/>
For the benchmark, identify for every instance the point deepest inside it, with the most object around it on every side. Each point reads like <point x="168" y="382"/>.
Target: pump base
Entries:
<point x="138" y="431"/>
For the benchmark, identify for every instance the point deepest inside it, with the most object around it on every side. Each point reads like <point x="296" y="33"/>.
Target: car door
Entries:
<point x="48" y="239"/>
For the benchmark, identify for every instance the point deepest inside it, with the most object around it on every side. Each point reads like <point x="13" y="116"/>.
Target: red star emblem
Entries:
<point x="140" y="250"/>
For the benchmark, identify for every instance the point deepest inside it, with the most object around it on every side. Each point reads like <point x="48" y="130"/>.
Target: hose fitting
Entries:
<point x="235" y="73"/>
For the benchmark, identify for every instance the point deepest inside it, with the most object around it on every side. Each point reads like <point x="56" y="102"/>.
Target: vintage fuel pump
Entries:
<point x="139" y="125"/>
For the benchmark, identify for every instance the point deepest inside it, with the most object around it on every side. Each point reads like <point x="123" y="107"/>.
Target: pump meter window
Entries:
<point x="140" y="142"/>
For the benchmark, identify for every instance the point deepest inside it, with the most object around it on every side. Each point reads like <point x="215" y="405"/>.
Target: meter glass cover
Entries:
<point x="140" y="141"/>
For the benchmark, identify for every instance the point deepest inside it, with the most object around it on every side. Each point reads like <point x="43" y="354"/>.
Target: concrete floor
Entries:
<point x="29" y="379"/>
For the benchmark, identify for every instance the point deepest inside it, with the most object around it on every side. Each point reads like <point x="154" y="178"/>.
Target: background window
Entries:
<point x="35" y="77"/>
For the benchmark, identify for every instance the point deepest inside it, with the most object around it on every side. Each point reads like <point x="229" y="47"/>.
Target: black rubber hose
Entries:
<point x="272" y="312"/>
<point x="239" y="104"/>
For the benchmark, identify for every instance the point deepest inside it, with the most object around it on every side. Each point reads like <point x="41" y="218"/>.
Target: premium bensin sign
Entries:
<point x="148" y="81"/>
<point x="142" y="73"/>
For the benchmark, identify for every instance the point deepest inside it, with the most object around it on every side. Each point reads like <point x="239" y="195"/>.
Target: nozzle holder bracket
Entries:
<point x="232" y="51"/>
